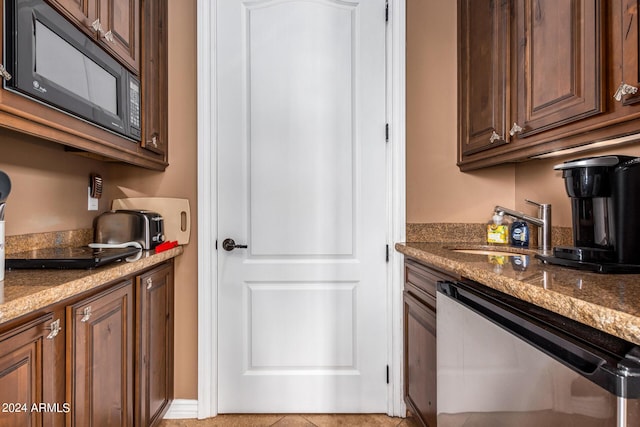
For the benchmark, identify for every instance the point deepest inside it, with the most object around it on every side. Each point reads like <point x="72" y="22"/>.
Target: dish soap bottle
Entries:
<point x="520" y="234"/>
<point x="498" y="230"/>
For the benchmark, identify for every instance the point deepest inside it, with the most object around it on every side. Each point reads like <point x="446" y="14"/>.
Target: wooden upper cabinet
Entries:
<point x="483" y="73"/>
<point x="559" y="63"/>
<point x="114" y="23"/>
<point x="630" y="34"/>
<point x="121" y="19"/>
<point x="82" y="11"/>
<point x="154" y="77"/>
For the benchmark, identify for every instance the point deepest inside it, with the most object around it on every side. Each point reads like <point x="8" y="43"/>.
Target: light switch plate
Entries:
<point x="92" y="204"/>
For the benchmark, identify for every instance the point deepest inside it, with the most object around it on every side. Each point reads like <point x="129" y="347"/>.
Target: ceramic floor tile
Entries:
<point x="408" y="422"/>
<point x="228" y="420"/>
<point x="294" y="420"/>
<point x="353" y="420"/>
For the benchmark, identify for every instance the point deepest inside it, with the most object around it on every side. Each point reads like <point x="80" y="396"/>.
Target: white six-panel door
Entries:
<point x="302" y="182"/>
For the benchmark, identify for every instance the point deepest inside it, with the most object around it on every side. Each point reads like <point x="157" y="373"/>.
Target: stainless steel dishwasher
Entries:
<point x="504" y="362"/>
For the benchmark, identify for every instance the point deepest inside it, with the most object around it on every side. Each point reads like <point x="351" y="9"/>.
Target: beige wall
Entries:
<point x="50" y="186"/>
<point x="537" y="180"/>
<point x="436" y="190"/>
<point x="179" y="180"/>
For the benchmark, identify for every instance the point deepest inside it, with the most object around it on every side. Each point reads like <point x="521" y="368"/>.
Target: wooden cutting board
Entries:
<point x="175" y="212"/>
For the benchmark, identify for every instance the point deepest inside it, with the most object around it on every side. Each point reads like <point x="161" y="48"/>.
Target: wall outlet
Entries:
<point x="92" y="204"/>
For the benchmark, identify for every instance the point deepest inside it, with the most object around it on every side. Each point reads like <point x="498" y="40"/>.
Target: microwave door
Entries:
<point x="59" y="65"/>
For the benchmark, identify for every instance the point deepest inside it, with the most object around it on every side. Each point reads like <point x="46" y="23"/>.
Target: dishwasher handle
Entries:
<point x="620" y="377"/>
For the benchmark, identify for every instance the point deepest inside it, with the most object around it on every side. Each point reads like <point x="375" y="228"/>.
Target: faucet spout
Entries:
<point x="542" y="221"/>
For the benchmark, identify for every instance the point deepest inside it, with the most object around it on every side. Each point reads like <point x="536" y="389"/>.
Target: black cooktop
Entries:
<point x="82" y="257"/>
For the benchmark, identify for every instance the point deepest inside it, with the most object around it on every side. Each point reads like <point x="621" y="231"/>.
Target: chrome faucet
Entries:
<point x="543" y="222"/>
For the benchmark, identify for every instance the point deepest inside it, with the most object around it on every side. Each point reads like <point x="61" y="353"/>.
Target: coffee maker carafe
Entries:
<point x="605" y="209"/>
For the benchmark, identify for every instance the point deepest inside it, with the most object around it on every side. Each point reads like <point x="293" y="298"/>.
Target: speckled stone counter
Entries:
<point x="610" y="303"/>
<point x="24" y="291"/>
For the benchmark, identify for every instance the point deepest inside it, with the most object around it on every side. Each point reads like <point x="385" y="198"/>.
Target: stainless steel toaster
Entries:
<point x="122" y="226"/>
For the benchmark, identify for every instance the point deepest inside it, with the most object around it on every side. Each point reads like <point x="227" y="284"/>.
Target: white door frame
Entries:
<point x="207" y="204"/>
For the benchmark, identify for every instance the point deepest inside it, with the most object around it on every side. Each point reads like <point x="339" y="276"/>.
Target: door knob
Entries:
<point x="230" y="244"/>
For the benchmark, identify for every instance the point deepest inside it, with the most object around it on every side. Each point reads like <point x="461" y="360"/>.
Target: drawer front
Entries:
<point x="423" y="277"/>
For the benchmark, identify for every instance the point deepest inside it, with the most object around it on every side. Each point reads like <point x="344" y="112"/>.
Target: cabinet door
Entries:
<point x="83" y="12"/>
<point x="120" y="29"/>
<point x="100" y="351"/>
<point x="154" y="345"/>
<point x="28" y="374"/>
<point x="630" y="34"/>
<point x="559" y="63"/>
<point x="483" y="74"/>
<point x="154" y="77"/>
<point x="420" y="359"/>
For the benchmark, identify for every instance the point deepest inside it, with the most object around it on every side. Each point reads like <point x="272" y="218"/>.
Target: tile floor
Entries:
<point x="289" y="420"/>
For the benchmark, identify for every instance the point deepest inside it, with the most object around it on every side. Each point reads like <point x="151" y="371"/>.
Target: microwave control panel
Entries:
<point x="134" y="106"/>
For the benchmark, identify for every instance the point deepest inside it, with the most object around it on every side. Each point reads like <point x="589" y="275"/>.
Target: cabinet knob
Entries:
<point x="624" y="89"/>
<point x="97" y="26"/>
<point x="4" y="73"/>
<point x="153" y="141"/>
<point x="55" y="329"/>
<point x="108" y="36"/>
<point x="149" y="282"/>
<point x="495" y="137"/>
<point x="516" y="128"/>
<point x="86" y="314"/>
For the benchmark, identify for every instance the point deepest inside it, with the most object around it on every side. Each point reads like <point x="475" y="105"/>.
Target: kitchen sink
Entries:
<point x="489" y="252"/>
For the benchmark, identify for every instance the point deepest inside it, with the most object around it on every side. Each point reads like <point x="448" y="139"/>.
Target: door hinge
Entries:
<point x="386" y="11"/>
<point x="387" y="374"/>
<point x="387" y="253"/>
<point x="386" y="132"/>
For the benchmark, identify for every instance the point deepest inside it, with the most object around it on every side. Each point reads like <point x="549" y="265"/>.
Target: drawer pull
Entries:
<point x="516" y="129"/>
<point x="149" y="282"/>
<point x="4" y="73"/>
<point x="97" y="26"/>
<point x="86" y="314"/>
<point x="55" y="329"/>
<point x="624" y="89"/>
<point x="494" y="137"/>
<point x="108" y="36"/>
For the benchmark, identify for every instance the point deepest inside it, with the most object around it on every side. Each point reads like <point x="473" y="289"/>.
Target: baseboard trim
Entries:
<point x="182" y="409"/>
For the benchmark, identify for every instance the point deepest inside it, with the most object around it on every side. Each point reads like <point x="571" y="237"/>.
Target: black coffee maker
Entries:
<point x="605" y="207"/>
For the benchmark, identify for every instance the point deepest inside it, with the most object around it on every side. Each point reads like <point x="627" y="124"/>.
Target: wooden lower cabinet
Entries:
<point x="28" y="375"/>
<point x="103" y="358"/>
<point x="154" y="345"/>
<point x="420" y="351"/>
<point x="420" y="359"/>
<point x="100" y="357"/>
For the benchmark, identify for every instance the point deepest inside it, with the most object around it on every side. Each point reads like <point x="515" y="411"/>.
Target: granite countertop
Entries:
<point x="24" y="291"/>
<point x="607" y="302"/>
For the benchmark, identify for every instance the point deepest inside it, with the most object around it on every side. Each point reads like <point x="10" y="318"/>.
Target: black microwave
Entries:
<point x="53" y="62"/>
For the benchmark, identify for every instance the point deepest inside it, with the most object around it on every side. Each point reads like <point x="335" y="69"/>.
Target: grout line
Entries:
<point x="279" y="419"/>
<point x="307" y="420"/>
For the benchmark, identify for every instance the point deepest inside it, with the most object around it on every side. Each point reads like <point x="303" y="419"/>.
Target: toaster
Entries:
<point x="123" y="226"/>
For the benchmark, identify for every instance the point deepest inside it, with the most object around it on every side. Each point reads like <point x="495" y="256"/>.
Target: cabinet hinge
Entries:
<point x="387" y="253"/>
<point x="387" y="374"/>
<point x="386" y="11"/>
<point x="386" y="132"/>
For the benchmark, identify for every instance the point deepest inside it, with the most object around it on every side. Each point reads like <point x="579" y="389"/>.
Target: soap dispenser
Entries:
<point x="520" y="234"/>
<point x="498" y="230"/>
